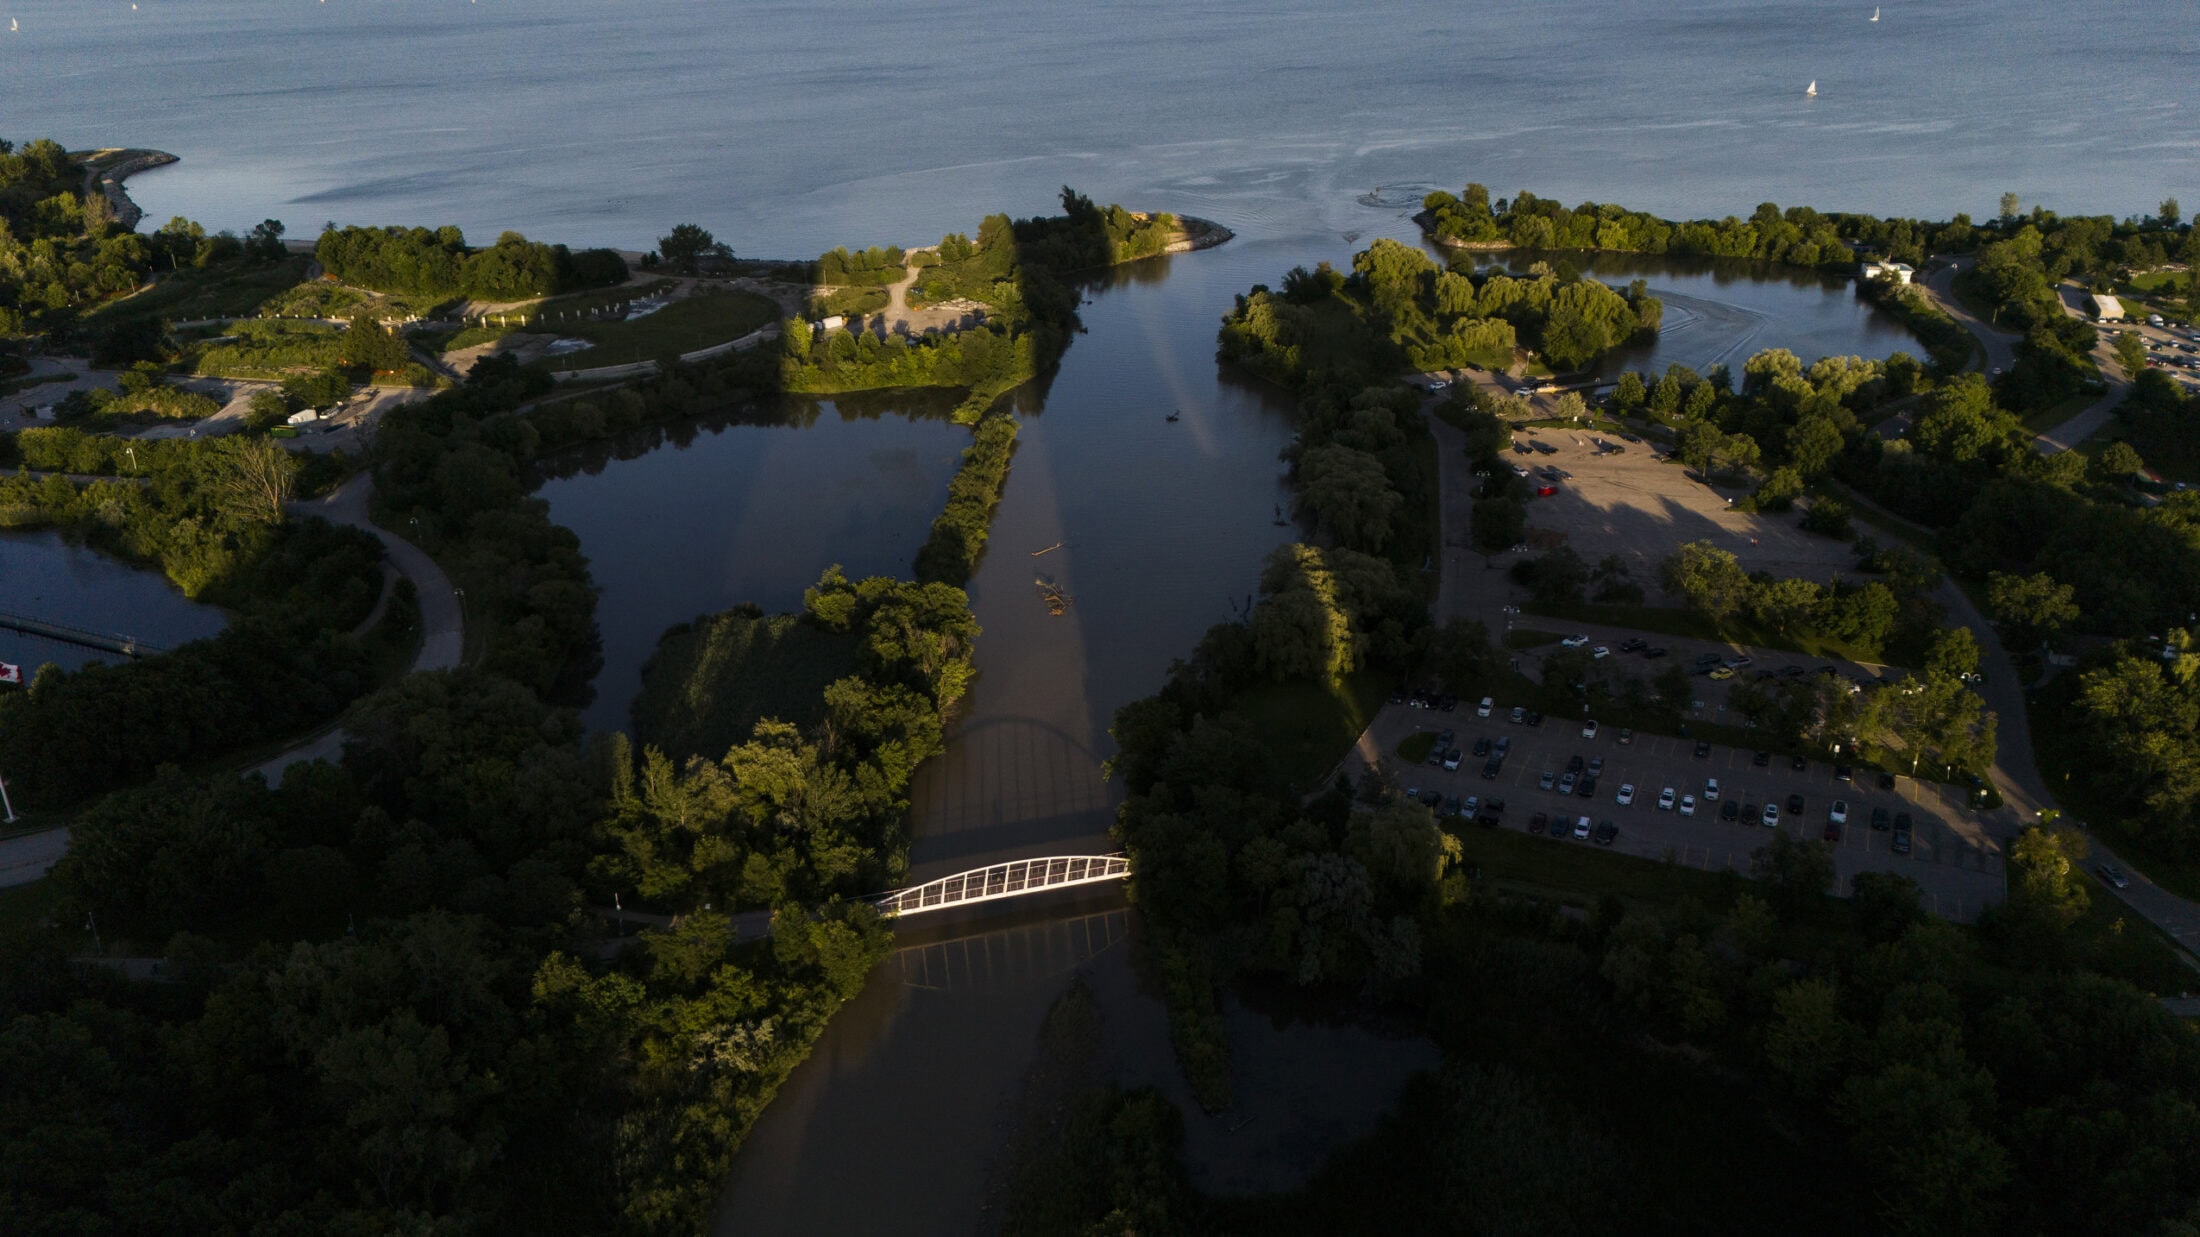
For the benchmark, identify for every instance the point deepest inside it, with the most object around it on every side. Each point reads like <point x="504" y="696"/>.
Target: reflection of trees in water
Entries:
<point x="1723" y="271"/>
<point x="1011" y="956"/>
<point x="790" y="411"/>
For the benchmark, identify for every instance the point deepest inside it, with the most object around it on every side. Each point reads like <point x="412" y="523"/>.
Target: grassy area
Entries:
<point x="709" y="681"/>
<point x="1311" y="726"/>
<point x="267" y="349"/>
<point x="1415" y="747"/>
<point x="25" y="906"/>
<point x="2120" y="943"/>
<point x="2042" y="420"/>
<point x="220" y="292"/>
<point x="683" y="326"/>
<point x="1578" y="873"/>
<point x="1689" y="625"/>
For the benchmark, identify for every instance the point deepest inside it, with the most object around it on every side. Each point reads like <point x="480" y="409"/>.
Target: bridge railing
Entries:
<point x="1004" y="880"/>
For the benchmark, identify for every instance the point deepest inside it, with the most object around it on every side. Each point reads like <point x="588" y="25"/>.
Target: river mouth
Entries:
<point x="1150" y="530"/>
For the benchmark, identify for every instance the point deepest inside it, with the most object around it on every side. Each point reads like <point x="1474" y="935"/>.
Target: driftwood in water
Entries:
<point x="1052" y="594"/>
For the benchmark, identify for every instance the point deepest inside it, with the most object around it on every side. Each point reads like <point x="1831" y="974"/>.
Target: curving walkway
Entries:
<point x="442" y="616"/>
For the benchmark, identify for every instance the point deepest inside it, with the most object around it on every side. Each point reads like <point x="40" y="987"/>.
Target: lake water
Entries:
<point x="790" y="126"/>
<point x="43" y="576"/>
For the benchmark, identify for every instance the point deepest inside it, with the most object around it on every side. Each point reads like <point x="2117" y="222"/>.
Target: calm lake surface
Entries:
<point x="43" y="576"/>
<point x="791" y="126"/>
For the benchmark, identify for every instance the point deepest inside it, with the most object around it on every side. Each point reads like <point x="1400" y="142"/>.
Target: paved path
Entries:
<point x="643" y="369"/>
<point x="25" y="859"/>
<point x="2000" y="345"/>
<point x="442" y="617"/>
<point x="2095" y="415"/>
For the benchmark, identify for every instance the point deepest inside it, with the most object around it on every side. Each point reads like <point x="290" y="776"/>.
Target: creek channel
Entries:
<point x="1158" y="530"/>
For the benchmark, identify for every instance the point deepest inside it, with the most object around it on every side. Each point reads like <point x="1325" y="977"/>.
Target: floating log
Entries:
<point x="1051" y="593"/>
<point x="1049" y="550"/>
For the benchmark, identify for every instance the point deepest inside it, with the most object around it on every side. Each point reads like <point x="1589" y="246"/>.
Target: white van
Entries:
<point x="2154" y="319"/>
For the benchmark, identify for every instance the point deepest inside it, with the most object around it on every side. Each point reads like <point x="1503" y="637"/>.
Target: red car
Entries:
<point x="1545" y="491"/>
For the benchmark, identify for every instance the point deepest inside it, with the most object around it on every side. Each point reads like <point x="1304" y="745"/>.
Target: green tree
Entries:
<point x="1351" y="495"/>
<point x="2033" y="607"/>
<point x="686" y="245"/>
<point x="2169" y="212"/>
<point x="2117" y="463"/>
<point x="2009" y="205"/>
<point x="2131" y="353"/>
<point x="1796" y="872"/>
<point x="1709" y="579"/>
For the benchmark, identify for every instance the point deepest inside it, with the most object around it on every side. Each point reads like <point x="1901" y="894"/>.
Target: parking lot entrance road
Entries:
<point x="1955" y="859"/>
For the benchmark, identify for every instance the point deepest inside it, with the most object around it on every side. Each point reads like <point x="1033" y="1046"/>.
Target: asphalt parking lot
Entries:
<point x="1635" y="504"/>
<point x="1953" y="860"/>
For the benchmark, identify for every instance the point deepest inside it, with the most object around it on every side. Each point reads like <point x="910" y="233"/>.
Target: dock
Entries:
<point x="128" y="646"/>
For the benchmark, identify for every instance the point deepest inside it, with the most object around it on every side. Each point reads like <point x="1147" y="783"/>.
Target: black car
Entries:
<point x="1729" y="810"/>
<point x="1901" y="841"/>
<point x="1575" y="765"/>
<point x="1605" y="832"/>
<point x="1452" y="805"/>
<point x="1703" y="749"/>
<point x="1492" y="766"/>
<point x="1534" y="718"/>
<point x="1749" y="813"/>
<point x="1631" y="643"/>
<point x="1886" y="781"/>
<point x="1762" y="760"/>
<point x="1537" y="821"/>
<point x="1492" y="811"/>
<point x="1879" y="819"/>
<point x="1482" y="746"/>
<point x="1588" y="787"/>
<point x="1596" y="766"/>
<point x="1793" y="672"/>
<point x="1842" y="773"/>
<point x="1802" y="763"/>
<point x="1446" y="704"/>
<point x="1708" y="659"/>
<point x="1795" y="805"/>
<point x="1654" y="651"/>
<point x="1502" y="744"/>
<point x="1437" y="754"/>
<point x="1444" y="738"/>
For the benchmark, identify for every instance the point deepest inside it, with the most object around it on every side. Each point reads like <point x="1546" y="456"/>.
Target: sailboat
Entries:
<point x="1812" y="89"/>
<point x="1875" y="12"/>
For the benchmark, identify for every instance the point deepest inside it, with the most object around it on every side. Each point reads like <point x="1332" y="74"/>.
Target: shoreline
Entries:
<point x="109" y="166"/>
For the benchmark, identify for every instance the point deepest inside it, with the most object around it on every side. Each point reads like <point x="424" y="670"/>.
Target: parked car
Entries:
<point x="1452" y="758"/>
<point x="1738" y="663"/>
<point x="1772" y="816"/>
<point x="1596" y="766"/>
<point x="1581" y="829"/>
<point x="1566" y="783"/>
<point x="1711" y="790"/>
<point x="1546" y="490"/>
<point x="1492" y="812"/>
<point x="1879" y="820"/>
<point x="1473" y="804"/>
<point x="1600" y="652"/>
<point x="1519" y="715"/>
<point x="1665" y="799"/>
<point x="1575" y="642"/>
<point x="1703" y="749"/>
<point x="1626" y="735"/>
<point x="1605" y="832"/>
<point x="1438" y="754"/>
<point x="1886" y="781"/>
<point x="1493" y="766"/>
<point x="1833" y="830"/>
<point x="1721" y="672"/>
<point x="1795" y="805"/>
<point x="1626" y="795"/>
<point x="1842" y="773"/>
<point x="1901" y="840"/>
<point x="1589" y="729"/>
<point x="1654" y="651"/>
<point x="1534" y="718"/>
<point x="1501" y="745"/>
<point x="1483" y="709"/>
<point x="1761" y="760"/>
<point x="1802" y="763"/>
<point x="1707" y="659"/>
<point x="2114" y="876"/>
<point x="1730" y="810"/>
<point x="1589" y="787"/>
<point x="1537" y="822"/>
<point x="1575" y="764"/>
<point x="1839" y="812"/>
<point x="1688" y="805"/>
<point x="1632" y="644"/>
<point x="1444" y="737"/>
<point x="1545" y="781"/>
<point x="1481" y="747"/>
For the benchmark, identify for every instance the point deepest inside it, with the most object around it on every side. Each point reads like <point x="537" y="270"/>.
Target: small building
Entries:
<point x="833" y="323"/>
<point x="305" y="416"/>
<point x="2107" y="308"/>
<point x="1899" y="272"/>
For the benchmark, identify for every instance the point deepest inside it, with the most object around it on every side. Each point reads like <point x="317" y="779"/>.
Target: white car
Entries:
<point x="1581" y="829"/>
<point x="1626" y="794"/>
<point x="1688" y="805"/>
<point x="1839" y="812"/>
<point x="1483" y="709"/>
<point x="1589" y="729"/>
<point x="1575" y="642"/>
<point x="1711" y="790"/>
<point x="1772" y="816"/>
<point x="1600" y="652"/>
<point x="1665" y="799"/>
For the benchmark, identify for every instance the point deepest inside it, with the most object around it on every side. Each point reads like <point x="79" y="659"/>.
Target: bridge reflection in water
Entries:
<point x="1011" y="957"/>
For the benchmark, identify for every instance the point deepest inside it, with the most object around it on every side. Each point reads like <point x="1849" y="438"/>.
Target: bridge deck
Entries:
<point x="1004" y="880"/>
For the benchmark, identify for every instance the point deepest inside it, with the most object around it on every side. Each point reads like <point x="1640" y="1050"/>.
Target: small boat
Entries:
<point x="1812" y="89"/>
<point x="1875" y="12"/>
<point x="1279" y="521"/>
<point x="1174" y="415"/>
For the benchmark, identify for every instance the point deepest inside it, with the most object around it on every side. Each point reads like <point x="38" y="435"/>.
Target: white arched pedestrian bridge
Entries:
<point x="1012" y="879"/>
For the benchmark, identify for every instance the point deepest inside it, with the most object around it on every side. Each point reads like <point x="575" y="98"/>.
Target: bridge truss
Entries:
<point x="1013" y="879"/>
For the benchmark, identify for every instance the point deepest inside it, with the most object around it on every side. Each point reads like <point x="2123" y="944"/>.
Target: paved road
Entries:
<point x="2096" y="414"/>
<point x="2000" y="345"/>
<point x="26" y="858"/>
